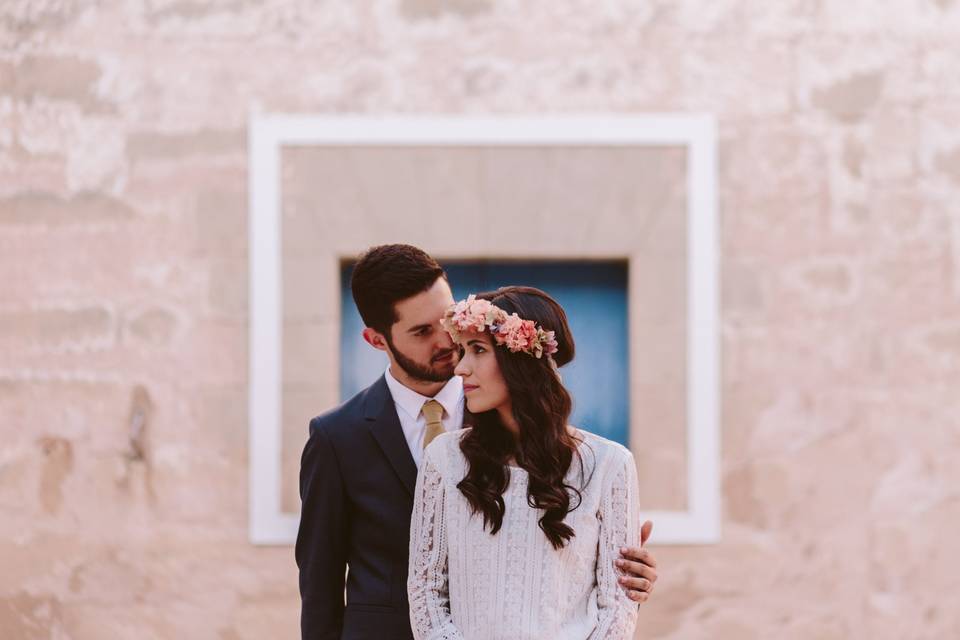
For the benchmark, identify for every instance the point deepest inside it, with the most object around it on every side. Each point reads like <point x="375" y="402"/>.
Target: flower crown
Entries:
<point x="511" y="331"/>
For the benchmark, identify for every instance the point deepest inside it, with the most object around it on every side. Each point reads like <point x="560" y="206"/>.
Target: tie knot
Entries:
<point x="432" y="411"/>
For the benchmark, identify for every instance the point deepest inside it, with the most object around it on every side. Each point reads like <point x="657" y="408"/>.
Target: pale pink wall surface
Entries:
<point x="123" y="248"/>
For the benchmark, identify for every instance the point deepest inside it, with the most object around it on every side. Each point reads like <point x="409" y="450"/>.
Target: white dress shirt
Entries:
<point x="414" y="424"/>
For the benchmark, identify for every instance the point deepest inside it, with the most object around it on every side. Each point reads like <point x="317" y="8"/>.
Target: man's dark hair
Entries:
<point x="387" y="274"/>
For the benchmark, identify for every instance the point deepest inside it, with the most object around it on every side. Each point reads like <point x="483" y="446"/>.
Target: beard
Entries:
<point x="423" y="372"/>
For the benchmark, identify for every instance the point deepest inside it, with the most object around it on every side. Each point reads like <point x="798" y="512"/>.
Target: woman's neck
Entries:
<point x="505" y="411"/>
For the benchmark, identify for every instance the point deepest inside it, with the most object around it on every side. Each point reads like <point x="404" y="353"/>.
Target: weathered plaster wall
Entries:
<point x="122" y="261"/>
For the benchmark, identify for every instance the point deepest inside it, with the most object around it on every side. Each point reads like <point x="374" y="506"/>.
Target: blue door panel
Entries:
<point x="594" y="296"/>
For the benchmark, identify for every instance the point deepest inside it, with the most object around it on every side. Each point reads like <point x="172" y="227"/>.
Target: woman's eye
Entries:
<point x="479" y="349"/>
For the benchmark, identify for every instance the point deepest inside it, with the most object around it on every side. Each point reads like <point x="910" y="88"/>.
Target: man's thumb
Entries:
<point x="645" y="532"/>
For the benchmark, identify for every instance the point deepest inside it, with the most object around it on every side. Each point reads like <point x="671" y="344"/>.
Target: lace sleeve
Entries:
<point x="427" y="578"/>
<point x="619" y="527"/>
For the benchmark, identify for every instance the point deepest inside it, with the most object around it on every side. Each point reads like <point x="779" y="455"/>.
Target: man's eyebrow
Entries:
<point x="419" y="327"/>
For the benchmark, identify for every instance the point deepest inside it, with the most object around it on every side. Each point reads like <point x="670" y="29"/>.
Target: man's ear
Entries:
<point x="375" y="339"/>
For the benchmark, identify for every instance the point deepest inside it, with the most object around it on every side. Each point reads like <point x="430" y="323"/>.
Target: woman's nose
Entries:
<point x="462" y="369"/>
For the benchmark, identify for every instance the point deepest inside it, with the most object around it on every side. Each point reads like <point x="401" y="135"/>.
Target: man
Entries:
<point x="359" y="467"/>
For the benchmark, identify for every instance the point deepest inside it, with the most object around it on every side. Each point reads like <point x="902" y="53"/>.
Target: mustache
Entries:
<point x="443" y="355"/>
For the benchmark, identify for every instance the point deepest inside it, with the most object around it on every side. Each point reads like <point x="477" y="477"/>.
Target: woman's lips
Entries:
<point x="467" y="388"/>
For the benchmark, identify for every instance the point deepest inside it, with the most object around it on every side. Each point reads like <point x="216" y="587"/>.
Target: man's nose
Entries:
<point x="445" y="341"/>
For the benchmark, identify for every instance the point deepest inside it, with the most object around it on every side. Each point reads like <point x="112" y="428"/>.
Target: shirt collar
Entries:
<point x="411" y="402"/>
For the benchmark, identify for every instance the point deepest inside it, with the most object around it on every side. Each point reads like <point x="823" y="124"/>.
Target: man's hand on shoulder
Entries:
<point x="640" y="565"/>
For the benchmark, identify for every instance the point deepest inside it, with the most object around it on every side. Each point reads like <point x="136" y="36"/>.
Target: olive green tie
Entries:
<point x="433" y="412"/>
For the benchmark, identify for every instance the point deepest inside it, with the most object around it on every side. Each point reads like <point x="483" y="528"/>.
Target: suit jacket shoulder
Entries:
<point x="343" y="420"/>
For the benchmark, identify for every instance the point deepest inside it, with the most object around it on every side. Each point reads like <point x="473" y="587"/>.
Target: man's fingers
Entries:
<point x="636" y="584"/>
<point x="638" y="555"/>
<point x="645" y="532"/>
<point x="638" y="569"/>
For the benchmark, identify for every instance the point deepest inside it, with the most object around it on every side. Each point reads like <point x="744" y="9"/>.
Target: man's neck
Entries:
<point x="423" y="387"/>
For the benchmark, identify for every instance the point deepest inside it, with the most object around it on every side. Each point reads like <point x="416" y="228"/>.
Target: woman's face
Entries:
<point x="483" y="385"/>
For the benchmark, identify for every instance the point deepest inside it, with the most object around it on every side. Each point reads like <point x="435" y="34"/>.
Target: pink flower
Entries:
<point x="511" y="331"/>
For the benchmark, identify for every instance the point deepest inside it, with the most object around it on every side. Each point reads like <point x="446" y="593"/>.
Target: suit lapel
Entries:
<point x="381" y="415"/>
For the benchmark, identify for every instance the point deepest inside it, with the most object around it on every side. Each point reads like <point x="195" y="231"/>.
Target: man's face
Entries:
<point x="418" y="343"/>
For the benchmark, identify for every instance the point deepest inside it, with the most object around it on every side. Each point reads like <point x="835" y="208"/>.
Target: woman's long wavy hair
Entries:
<point x="541" y="407"/>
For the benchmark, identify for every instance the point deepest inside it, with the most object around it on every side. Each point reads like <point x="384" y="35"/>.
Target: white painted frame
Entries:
<point x="700" y="524"/>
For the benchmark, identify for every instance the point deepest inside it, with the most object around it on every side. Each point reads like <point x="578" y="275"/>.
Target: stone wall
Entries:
<point x="123" y="303"/>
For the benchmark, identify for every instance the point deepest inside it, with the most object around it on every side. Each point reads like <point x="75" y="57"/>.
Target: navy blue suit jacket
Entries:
<point x="357" y="479"/>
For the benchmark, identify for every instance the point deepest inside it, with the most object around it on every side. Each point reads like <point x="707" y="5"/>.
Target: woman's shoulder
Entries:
<point x="604" y="450"/>
<point x="444" y="450"/>
<point x="449" y="440"/>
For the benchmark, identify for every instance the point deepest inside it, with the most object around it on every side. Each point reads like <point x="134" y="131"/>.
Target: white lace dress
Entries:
<point x="466" y="583"/>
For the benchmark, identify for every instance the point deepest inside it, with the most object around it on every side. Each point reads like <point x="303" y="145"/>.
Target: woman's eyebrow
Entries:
<point x="477" y="341"/>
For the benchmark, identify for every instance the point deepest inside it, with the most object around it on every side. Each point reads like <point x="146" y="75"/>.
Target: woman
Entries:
<point x="517" y="521"/>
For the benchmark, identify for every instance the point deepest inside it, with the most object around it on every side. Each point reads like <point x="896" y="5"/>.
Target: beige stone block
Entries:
<point x="763" y="69"/>
<point x="821" y="282"/>
<point x="661" y="477"/>
<point x="23" y="615"/>
<point x="432" y="9"/>
<point x="902" y="15"/>
<point x="678" y="598"/>
<point x="740" y="501"/>
<point x="162" y="146"/>
<point x="742" y="286"/>
<point x="311" y="355"/>
<point x="219" y="352"/>
<point x="789" y="423"/>
<point x="152" y="326"/>
<point x="660" y="353"/>
<point x="936" y="344"/>
<point x="220" y="415"/>
<point x="221" y="222"/>
<point x="770" y="162"/>
<point x="658" y="441"/>
<point x="337" y="199"/>
<point x="851" y="98"/>
<point x="311" y="288"/>
<point x="299" y="407"/>
<point x="949" y="163"/>
<point x="62" y="78"/>
<point x="459" y="196"/>
<point x="955" y="256"/>
<point x="95" y="157"/>
<point x="658" y="290"/>
<point x="937" y="61"/>
<point x="49" y="209"/>
<point x="189" y="485"/>
<point x="58" y="454"/>
<point x="229" y="287"/>
<point x="659" y="411"/>
<point x="58" y="328"/>
<point x="7" y="77"/>
<point x="845" y="77"/>
<point x="268" y="615"/>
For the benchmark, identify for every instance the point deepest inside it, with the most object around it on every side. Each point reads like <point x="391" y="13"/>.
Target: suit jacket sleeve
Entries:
<point x="321" y="540"/>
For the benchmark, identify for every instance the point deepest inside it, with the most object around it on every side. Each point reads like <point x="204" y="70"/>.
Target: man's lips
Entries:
<point x="444" y="358"/>
<point x="467" y="388"/>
